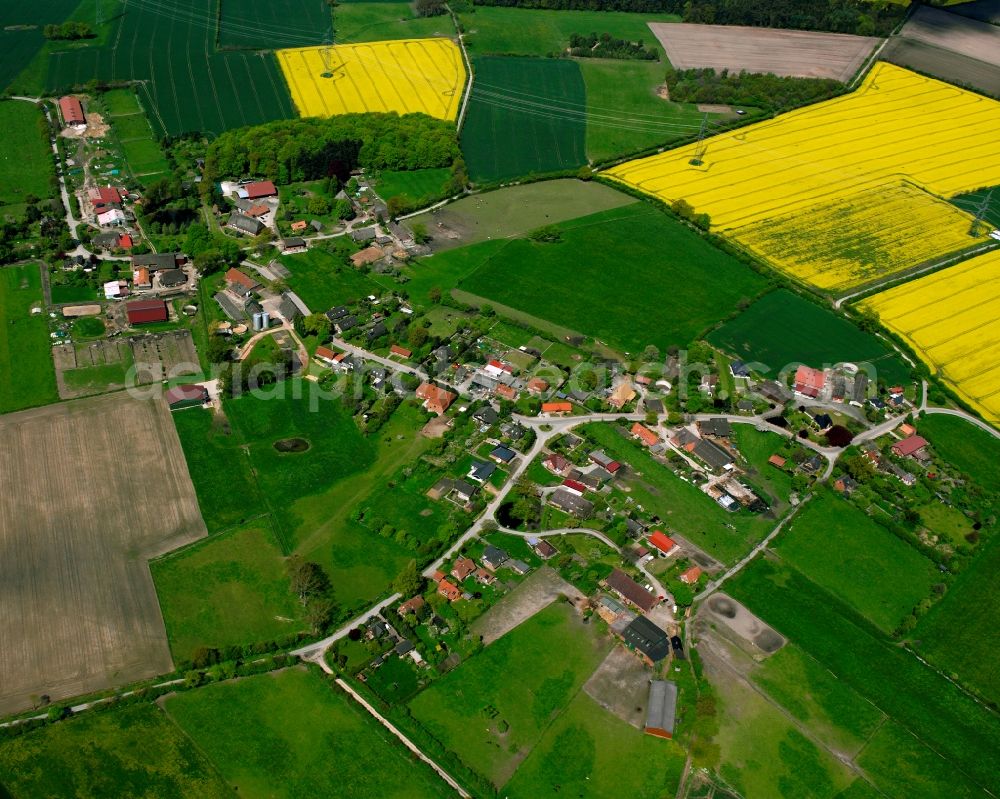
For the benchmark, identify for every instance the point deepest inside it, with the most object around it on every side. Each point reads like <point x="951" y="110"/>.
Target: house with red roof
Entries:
<point x="506" y="392"/>
<point x="662" y="542"/>
<point x="809" y="382"/>
<point x="537" y="386"/>
<point x="576" y="487"/>
<point x="556" y="463"/>
<point x="402" y="352"/>
<point x="254" y="191"/>
<point x="909" y="447"/>
<point x="449" y="590"/>
<point x="435" y="399"/>
<point x="690" y="577"/>
<point x="325" y="356"/>
<point x="463" y="568"/>
<point x="72" y="112"/>
<point x="645" y="435"/>
<point x="557" y="408"/>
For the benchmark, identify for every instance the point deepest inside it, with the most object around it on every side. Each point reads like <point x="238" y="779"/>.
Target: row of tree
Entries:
<point x="68" y="30"/>
<point x="768" y="92"/>
<point x="309" y="149"/>
<point x="607" y="46"/>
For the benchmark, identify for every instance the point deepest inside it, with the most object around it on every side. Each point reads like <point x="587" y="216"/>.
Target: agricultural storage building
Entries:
<point x="647" y="639"/>
<point x="661" y="708"/>
<point x="244" y="224"/>
<point x="254" y="191"/>
<point x="662" y="542"/>
<point x="809" y="382"/>
<point x="629" y="590"/>
<point x="156" y="262"/>
<point x="170" y="278"/>
<point x="142" y="312"/>
<point x="909" y="446"/>
<point x="72" y="112"/>
<point x="186" y="396"/>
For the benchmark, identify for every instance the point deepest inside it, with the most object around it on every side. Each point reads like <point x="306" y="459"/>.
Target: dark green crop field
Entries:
<point x="273" y="24"/>
<point x="19" y="45"/>
<point x="526" y="115"/>
<point x="782" y="328"/>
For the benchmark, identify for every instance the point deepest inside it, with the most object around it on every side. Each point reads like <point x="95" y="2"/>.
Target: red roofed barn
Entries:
<point x="254" y="191"/>
<point x="808" y="381"/>
<point x="143" y="312"/>
<point x="909" y="446"/>
<point x="72" y="111"/>
<point x="662" y="542"/>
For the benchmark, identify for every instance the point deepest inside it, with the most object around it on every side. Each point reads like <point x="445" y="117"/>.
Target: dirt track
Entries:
<point x="91" y="489"/>
<point x="803" y="54"/>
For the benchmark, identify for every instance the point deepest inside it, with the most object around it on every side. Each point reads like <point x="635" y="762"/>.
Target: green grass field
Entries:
<point x="525" y="116"/>
<point x="538" y="32"/>
<point x="588" y="752"/>
<point x="25" y="158"/>
<point x="323" y="281"/>
<point x="272" y="25"/>
<point x="230" y="589"/>
<point x="291" y="734"/>
<point x="142" y="151"/>
<point x="624" y="114"/>
<point x="680" y="505"/>
<point x="969" y="449"/>
<point x="220" y="469"/>
<point x="419" y="186"/>
<point x="609" y="271"/>
<point x="960" y="633"/>
<point x="186" y="84"/>
<point x="760" y="335"/>
<point x="893" y="680"/>
<point x="27" y="376"/>
<point x="757" y="446"/>
<point x="841" y="549"/>
<point x="377" y="21"/>
<point x="495" y="708"/>
<point x="130" y="751"/>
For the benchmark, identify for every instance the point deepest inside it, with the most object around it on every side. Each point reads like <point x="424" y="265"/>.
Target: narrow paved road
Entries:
<point x="364" y="354"/>
<point x="316" y="650"/>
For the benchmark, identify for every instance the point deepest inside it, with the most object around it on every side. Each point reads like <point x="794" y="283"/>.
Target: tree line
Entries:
<point x="291" y="150"/>
<point x="69" y="31"/>
<point x="607" y="46"/>
<point x="768" y="92"/>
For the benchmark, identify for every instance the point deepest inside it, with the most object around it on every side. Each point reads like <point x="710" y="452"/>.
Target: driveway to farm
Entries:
<point x="364" y="354"/>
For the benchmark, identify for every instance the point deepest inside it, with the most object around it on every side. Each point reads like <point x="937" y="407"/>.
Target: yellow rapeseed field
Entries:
<point x="824" y="165"/>
<point x="952" y="319"/>
<point x="406" y="76"/>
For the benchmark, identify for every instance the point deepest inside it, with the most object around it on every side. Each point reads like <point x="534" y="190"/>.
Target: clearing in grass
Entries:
<point x="417" y="188"/>
<point x="292" y="734"/>
<point x="229" y="590"/>
<point x="27" y="376"/>
<point x="358" y="21"/>
<point x="325" y="279"/>
<point x="937" y="711"/>
<point x="506" y="132"/>
<point x="589" y="280"/>
<point x="406" y="76"/>
<point x="492" y="721"/>
<point x="759" y="336"/>
<point x="841" y="549"/>
<point x="972" y="451"/>
<point x="589" y="752"/>
<point x="132" y="750"/>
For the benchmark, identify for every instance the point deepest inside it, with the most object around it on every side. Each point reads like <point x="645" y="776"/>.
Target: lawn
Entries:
<point x="230" y="589"/>
<point x="624" y="113"/>
<point x="129" y="751"/>
<point x="757" y="446"/>
<point x="972" y="451"/>
<point x="419" y="187"/>
<point x="808" y="691"/>
<point x="323" y="280"/>
<point x="493" y="710"/>
<point x="517" y="31"/>
<point x="760" y="336"/>
<point x="25" y="158"/>
<point x="668" y="277"/>
<point x="291" y="734"/>
<point x="27" y="376"/>
<point x="960" y="634"/>
<point x="841" y="549"/>
<point x="588" y="752"/>
<point x="893" y="680"/>
<point x="378" y="21"/>
<point x="65" y="293"/>
<point x="682" y="507"/>
<point x="525" y="116"/>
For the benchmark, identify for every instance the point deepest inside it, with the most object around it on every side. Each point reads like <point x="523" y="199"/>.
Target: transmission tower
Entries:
<point x="327" y="54"/>
<point x="701" y="146"/>
<point x="981" y="213"/>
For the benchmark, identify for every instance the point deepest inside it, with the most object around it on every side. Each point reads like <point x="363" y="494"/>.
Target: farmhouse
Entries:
<point x="141" y="279"/>
<point x="493" y="557"/>
<point x="809" y="382"/>
<point x="435" y="399"/>
<point x="142" y="312"/>
<point x="557" y="408"/>
<point x="186" y="396"/>
<point x="157" y="262"/>
<point x="449" y="590"/>
<point x="911" y="446"/>
<point x="364" y="234"/>
<point x="244" y="224"/>
<point x="715" y="456"/>
<point x="661" y="709"/>
<point x="571" y="503"/>
<point x="254" y="191"/>
<point x="719" y="427"/>
<point x="629" y="590"/>
<point x="463" y="568"/>
<point x="544" y="549"/>
<point x="240" y="283"/>
<point x="652" y="643"/>
<point x="293" y="244"/>
<point x="171" y="278"/>
<point x="662" y="542"/>
<point x="72" y="112"/>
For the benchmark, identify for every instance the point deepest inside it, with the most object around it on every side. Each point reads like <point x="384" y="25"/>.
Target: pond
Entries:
<point x="291" y="445"/>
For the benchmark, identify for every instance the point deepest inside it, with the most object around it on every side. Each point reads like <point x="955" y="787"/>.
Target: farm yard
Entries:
<point x="783" y="168"/>
<point x="790" y="53"/>
<point x="760" y="335"/>
<point x="407" y="76"/>
<point x="105" y="622"/>
<point x="525" y="116"/>
<point x="952" y="320"/>
<point x="27" y="377"/>
<point x="326" y="741"/>
<point x="566" y="282"/>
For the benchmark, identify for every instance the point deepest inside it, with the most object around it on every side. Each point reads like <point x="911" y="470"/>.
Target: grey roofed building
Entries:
<point x="464" y="489"/>
<point x="712" y="454"/>
<point x="230" y="307"/>
<point x="513" y="431"/>
<point x="404" y="647"/>
<point x="745" y="405"/>
<point x="661" y="709"/>
<point x="839" y="387"/>
<point x="377" y="330"/>
<point x="620" y="625"/>
<point x="346" y="323"/>
<point x="684" y="437"/>
<point x="363" y="234"/>
<point x="503" y="454"/>
<point x="493" y="557"/>
<point x="860" y="390"/>
<point x="316" y="225"/>
<point x="518" y="566"/>
<point x="292" y="242"/>
<point x="337" y="313"/>
<point x="774" y="391"/>
<point x="106" y="240"/>
<point x="645" y="637"/>
<point x="716" y="427"/>
<point x="288" y="309"/>
<point x="653" y="404"/>
<point x="630" y="590"/>
<point x="486" y="415"/>
<point x="481" y="471"/>
<point x="593" y="479"/>
<point x="739" y="369"/>
<point x="295" y="298"/>
<point x="570" y="503"/>
<point x="400" y="232"/>
<point x="634" y="528"/>
<point x="172" y="277"/>
<point x="244" y="224"/>
<point x="156" y="262"/>
<point x="479" y="379"/>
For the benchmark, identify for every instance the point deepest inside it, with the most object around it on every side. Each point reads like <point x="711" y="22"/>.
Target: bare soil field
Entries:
<point x="537" y="592"/>
<point x="621" y="686"/>
<point x="944" y="64"/>
<point x="723" y="608"/>
<point x="983" y="10"/>
<point x="164" y="355"/>
<point x="801" y="54"/>
<point x="968" y="37"/>
<point x="91" y="489"/>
